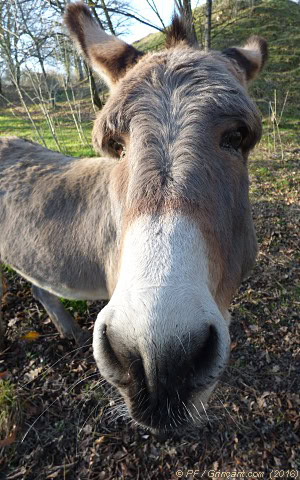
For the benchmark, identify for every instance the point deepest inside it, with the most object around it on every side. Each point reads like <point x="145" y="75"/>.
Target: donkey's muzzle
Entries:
<point x="159" y="378"/>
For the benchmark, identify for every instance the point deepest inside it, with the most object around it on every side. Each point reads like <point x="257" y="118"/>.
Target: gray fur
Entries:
<point x="56" y="227"/>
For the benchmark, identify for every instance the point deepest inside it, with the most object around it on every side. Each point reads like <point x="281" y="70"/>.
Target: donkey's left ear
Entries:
<point x="251" y="57"/>
<point x="108" y="55"/>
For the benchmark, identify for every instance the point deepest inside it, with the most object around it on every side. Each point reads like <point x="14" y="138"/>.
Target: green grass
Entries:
<point x="18" y="123"/>
<point x="8" y="271"/>
<point x="79" y="306"/>
<point x="10" y="409"/>
<point x="154" y="41"/>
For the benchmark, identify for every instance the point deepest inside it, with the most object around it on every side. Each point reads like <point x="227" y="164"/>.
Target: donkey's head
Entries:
<point x="181" y="209"/>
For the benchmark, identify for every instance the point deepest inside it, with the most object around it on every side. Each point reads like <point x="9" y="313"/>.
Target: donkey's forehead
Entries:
<point x="205" y="81"/>
<point x="183" y="63"/>
<point x="208" y="78"/>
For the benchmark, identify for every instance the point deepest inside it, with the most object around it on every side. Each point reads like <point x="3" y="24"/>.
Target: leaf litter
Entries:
<point x="77" y="428"/>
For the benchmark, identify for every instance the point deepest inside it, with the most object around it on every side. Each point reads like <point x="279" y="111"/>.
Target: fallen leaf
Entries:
<point x="4" y="285"/>
<point x="254" y="328"/>
<point x="13" y="321"/>
<point x="9" y="440"/>
<point x="31" y="336"/>
<point x="100" y="440"/>
<point x="3" y="375"/>
<point x="34" y="373"/>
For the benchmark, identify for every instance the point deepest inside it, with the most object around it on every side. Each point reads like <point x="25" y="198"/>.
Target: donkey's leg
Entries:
<point x="64" y="322"/>
<point x="1" y="323"/>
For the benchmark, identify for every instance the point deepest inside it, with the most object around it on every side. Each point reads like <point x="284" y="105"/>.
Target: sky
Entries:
<point x="165" y="7"/>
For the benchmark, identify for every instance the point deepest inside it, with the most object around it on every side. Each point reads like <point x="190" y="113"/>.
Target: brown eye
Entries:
<point x="234" y="139"/>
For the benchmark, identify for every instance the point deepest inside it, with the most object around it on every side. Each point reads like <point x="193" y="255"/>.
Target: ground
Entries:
<point x="60" y="420"/>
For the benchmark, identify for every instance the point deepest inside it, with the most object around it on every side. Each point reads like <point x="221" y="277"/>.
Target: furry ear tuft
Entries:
<point x="179" y="33"/>
<point x="251" y="58"/>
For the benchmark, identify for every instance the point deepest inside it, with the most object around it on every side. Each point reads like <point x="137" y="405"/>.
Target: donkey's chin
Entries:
<point x="175" y="416"/>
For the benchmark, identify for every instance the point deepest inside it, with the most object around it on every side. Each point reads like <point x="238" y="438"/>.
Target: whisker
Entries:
<point x="91" y="391"/>
<point x="197" y="411"/>
<point x="181" y="343"/>
<point x="89" y="416"/>
<point x="188" y="411"/>
<point x="205" y="412"/>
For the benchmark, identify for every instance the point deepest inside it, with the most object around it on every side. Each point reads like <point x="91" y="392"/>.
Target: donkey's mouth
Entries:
<point x="170" y="414"/>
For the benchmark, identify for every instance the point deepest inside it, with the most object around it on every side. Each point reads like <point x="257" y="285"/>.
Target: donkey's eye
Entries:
<point x="234" y="139"/>
<point x="116" y="148"/>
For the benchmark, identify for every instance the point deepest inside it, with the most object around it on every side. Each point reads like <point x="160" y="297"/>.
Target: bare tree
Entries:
<point x="207" y="29"/>
<point x="25" y="35"/>
<point x="38" y="32"/>
<point x="154" y="8"/>
<point x="107" y="16"/>
<point x="10" y="40"/>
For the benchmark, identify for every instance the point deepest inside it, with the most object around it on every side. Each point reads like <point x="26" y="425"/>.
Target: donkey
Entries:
<point x="165" y="231"/>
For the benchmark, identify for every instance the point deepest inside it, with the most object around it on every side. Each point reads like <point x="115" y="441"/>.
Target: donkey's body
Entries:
<point x="166" y="231"/>
<point x="54" y="208"/>
<point x="56" y="224"/>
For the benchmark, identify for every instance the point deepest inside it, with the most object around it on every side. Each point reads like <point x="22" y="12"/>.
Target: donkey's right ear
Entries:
<point x="108" y="55"/>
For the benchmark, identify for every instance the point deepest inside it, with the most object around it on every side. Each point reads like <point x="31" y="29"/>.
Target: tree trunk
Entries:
<point x="78" y="68"/>
<point x="97" y="17"/>
<point x="110" y="25"/>
<point x="67" y="65"/>
<point x="94" y="92"/>
<point x="18" y="75"/>
<point x="44" y="75"/>
<point x="207" y="31"/>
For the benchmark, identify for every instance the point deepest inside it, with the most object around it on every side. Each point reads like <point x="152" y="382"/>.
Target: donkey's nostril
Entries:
<point x="108" y="352"/>
<point x="117" y="362"/>
<point x="104" y="330"/>
<point x="206" y="359"/>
